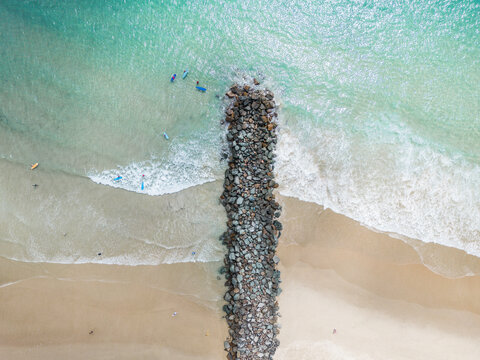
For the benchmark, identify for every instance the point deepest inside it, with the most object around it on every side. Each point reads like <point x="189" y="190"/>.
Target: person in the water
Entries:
<point x="173" y="77"/>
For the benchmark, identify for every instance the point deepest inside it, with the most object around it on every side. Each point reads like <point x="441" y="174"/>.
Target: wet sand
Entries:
<point x="374" y="289"/>
<point x="69" y="219"/>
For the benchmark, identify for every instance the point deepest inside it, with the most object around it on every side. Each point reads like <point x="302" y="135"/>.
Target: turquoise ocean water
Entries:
<point x="379" y="104"/>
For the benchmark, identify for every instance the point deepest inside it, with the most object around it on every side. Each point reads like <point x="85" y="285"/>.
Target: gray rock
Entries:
<point x="250" y="238"/>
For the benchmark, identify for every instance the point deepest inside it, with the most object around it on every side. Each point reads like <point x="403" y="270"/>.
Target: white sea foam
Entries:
<point x="185" y="165"/>
<point x="141" y="254"/>
<point x="399" y="186"/>
<point x="127" y="260"/>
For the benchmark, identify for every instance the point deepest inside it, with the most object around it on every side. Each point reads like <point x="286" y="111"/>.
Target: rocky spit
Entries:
<point x="252" y="235"/>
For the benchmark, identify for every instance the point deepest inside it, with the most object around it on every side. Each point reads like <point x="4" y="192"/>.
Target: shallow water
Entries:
<point x="380" y="114"/>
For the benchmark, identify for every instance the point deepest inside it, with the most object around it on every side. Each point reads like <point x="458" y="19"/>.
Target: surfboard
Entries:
<point x="200" y="88"/>
<point x="165" y="135"/>
<point x="185" y="73"/>
<point x="117" y="178"/>
<point x="143" y="186"/>
<point x="34" y="166"/>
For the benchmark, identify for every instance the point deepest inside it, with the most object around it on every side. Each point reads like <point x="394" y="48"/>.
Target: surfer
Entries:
<point x="35" y="186"/>
<point x="197" y="82"/>
<point x="173" y="77"/>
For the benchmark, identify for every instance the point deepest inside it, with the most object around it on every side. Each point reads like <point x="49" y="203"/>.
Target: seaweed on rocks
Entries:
<point x="252" y="279"/>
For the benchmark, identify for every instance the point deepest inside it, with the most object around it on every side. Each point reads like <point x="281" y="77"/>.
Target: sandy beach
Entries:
<point x="49" y="310"/>
<point x="372" y="288"/>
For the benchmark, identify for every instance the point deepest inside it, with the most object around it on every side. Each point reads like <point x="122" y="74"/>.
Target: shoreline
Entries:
<point x="69" y="218"/>
<point x="376" y="262"/>
<point x="446" y="261"/>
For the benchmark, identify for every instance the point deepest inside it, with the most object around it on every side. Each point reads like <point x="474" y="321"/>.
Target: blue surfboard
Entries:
<point x="165" y="135"/>
<point x="185" y="73"/>
<point x="200" y="88"/>
<point x="143" y="186"/>
<point x="117" y="178"/>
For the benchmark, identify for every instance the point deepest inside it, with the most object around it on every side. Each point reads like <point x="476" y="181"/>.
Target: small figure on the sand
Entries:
<point x="173" y="77"/>
<point x="99" y="254"/>
<point x="174" y="313"/>
<point x="90" y="332"/>
<point x="334" y="331"/>
<point x="35" y="186"/>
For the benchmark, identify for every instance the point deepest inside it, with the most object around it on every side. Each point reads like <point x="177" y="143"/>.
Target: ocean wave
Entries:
<point x="401" y="186"/>
<point x="186" y="165"/>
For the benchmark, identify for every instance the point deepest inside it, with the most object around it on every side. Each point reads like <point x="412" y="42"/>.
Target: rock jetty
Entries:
<point x="252" y="235"/>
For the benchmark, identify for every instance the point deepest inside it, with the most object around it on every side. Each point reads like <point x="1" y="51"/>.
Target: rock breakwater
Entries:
<point x="252" y="235"/>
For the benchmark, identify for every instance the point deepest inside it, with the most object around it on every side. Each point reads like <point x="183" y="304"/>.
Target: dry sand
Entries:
<point x="48" y="312"/>
<point x="374" y="289"/>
